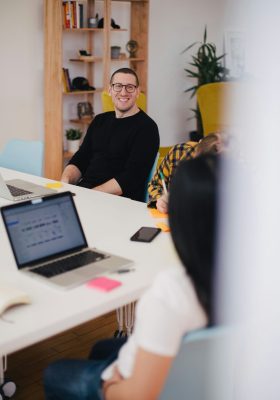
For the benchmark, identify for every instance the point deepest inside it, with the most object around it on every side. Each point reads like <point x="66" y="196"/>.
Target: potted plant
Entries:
<point x="73" y="137"/>
<point x="208" y="68"/>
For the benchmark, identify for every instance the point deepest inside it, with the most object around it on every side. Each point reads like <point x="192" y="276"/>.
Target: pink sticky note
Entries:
<point x="103" y="283"/>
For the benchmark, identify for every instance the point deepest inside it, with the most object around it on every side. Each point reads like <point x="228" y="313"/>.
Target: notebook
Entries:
<point x="18" y="189"/>
<point x="11" y="296"/>
<point x="48" y="242"/>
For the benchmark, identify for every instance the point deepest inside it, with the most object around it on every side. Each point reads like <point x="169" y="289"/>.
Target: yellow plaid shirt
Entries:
<point x="167" y="168"/>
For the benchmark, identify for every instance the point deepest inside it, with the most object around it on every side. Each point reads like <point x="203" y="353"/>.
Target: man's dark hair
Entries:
<point x="192" y="216"/>
<point x="125" y="71"/>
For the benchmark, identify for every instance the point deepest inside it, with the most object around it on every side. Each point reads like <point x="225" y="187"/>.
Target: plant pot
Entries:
<point x="73" y="145"/>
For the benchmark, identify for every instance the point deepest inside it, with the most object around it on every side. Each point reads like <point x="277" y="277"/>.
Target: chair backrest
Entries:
<point x="213" y="100"/>
<point x="153" y="170"/>
<point x="203" y="368"/>
<point x="24" y="156"/>
<point x="107" y="103"/>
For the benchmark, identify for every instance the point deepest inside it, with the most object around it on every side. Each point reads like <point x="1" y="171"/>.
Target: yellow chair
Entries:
<point x="213" y="100"/>
<point x="107" y="103"/>
<point x="164" y="150"/>
<point x="162" y="153"/>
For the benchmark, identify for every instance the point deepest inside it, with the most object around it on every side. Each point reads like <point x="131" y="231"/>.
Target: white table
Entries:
<point x="109" y="221"/>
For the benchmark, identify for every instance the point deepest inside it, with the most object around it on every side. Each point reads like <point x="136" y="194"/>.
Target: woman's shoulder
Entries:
<point x="170" y="305"/>
<point x="175" y="275"/>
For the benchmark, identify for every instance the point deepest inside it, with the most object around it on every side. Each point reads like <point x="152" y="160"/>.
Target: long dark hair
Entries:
<point x="192" y="215"/>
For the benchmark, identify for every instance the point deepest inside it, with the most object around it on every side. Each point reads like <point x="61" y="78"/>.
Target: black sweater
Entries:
<point x="120" y="148"/>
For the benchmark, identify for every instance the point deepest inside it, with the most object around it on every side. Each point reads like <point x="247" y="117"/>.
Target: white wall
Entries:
<point x="173" y="26"/>
<point x="21" y="77"/>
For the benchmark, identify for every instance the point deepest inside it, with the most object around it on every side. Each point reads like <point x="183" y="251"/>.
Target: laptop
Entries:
<point x="18" y="189"/>
<point x="49" y="243"/>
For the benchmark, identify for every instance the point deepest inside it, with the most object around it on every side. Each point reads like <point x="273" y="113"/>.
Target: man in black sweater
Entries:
<point x="120" y="146"/>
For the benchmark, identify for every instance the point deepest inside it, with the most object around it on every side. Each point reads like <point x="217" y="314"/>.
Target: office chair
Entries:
<point x="107" y="103"/>
<point x="213" y="100"/>
<point x="24" y="156"/>
<point x="203" y="368"/>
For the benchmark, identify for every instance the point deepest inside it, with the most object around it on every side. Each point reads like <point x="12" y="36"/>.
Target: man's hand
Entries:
<point x="110" y="186"/>
<point x="162" y="204"/>
<point x="71" y="174"/>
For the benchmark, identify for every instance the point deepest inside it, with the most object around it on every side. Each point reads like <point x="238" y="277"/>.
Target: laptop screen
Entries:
<point x="42" y="228"/>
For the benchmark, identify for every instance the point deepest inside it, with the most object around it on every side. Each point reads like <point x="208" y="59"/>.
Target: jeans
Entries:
<point x="81" y="379"/>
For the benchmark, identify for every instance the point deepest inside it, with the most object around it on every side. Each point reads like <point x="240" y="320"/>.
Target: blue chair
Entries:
<point x="151" y="174"/>
<point x="203" y="368"/>
<point x="24" y="156"/>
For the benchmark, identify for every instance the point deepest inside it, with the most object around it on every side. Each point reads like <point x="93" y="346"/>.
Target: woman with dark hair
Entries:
<point x="214" y="143"/>
<point x="179" y="301"/>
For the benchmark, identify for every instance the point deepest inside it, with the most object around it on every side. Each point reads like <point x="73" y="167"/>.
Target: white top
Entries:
<point x="168" y="310"/>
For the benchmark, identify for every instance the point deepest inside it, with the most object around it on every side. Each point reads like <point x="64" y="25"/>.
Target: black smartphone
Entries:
<point x="145" y="234"/>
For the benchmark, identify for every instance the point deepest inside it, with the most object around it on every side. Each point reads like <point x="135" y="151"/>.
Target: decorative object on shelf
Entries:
<point x="132" y="47"/>
<point x="209" y="69"/>
<point x="84" y="53"/>
<point x="73" y="137"/>
<point x="81" y="83"/>
<point x="85" y="56"/>
<point x="113" y="24"/>
<point x="93" y="22"/>
<point x="115" y="51"/>
<point x="85" y="110"/>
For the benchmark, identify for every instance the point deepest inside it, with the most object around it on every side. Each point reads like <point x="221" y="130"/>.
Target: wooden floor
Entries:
<point x="25" y="367"/>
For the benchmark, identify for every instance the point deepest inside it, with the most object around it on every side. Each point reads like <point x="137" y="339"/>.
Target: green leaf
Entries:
<point x="207" y="67"/>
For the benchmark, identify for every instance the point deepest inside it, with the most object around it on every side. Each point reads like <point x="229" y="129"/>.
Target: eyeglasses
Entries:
<point x="117" y="87"/>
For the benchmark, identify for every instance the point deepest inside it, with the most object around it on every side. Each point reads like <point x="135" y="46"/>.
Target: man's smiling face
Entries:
<point x="125" y="99"/>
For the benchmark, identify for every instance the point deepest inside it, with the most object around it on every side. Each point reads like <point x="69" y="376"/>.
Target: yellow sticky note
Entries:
<point x="157" y="214"/>
<point x="54" y="185"/>
<point x="164" y="227"/>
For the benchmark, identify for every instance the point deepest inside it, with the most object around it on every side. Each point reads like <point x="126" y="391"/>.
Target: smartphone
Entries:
<point x="145" y="234"/>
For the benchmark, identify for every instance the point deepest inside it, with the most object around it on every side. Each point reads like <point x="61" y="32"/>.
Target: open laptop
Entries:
<point x="18" y="189"/>
<point x="48" y="242"/>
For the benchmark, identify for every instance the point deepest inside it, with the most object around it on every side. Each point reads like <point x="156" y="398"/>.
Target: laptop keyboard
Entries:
<point x="69" y="263"/>
<point x="15" y="191"/>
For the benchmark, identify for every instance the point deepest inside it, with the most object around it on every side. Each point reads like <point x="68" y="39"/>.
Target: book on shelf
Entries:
<point x="66" y="80"/>
<point x="81" y="14"/>
<point x="73" y="14"/>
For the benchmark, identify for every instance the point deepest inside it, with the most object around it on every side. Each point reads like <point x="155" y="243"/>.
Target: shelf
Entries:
<point x="82" y="92"/>
<point x="127" y="59"/>
<point x="132" y="1"/>
<point x="83" y="29"/>
<point x="82" y="121"/>
<point x="93" y="30"/>
<point x="87" y="60"/>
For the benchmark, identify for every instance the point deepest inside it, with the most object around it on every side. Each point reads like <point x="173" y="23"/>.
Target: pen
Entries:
<point x="124" y="270"/>
<point x="163" y="182"/>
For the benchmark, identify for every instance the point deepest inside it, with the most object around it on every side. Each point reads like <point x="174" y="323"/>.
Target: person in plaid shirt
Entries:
<point x="211" y="143"/>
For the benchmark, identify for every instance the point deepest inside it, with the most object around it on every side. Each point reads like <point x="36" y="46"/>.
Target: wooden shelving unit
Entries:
<point x="53" y="51"/>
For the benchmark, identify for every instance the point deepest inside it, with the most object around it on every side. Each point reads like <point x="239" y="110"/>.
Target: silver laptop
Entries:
<point x="18" y="189"/>
<point x="48" y="242"/>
